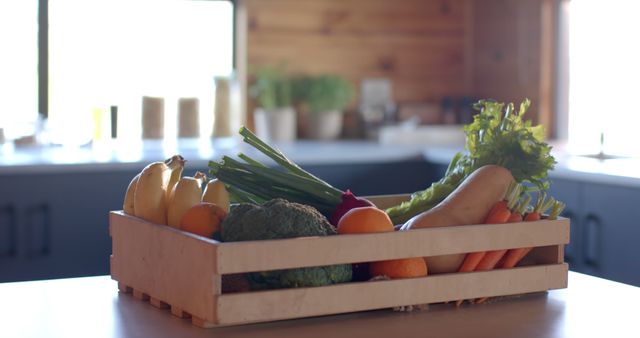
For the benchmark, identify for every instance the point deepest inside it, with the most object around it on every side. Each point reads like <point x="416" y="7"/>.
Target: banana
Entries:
<point x="150" y="198"/>
<point x="215" y="192"/>
<point x="175" y="174"/>
<point x="128" y="205"/>
<point x="185" y="194"/>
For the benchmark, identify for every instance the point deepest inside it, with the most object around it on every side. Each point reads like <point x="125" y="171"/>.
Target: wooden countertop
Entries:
<point x="92" y="307"/>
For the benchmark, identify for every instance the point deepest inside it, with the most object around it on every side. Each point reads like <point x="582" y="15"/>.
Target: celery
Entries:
<point x="493" y="137"/>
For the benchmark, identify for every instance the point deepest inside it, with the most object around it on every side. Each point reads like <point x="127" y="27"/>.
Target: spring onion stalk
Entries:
<point x="249" y="180"/>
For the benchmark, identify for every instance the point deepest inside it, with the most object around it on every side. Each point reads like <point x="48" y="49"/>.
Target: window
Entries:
<point x="18" y="67"/>
<point x="104" y="53"/>
<point x="604" y="76"/>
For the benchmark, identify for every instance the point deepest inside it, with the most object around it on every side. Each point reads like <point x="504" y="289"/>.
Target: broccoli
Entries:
<point x="277" y="219"/>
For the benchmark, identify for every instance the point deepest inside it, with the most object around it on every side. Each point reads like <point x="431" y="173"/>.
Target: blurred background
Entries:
<point x="77" y="71"/>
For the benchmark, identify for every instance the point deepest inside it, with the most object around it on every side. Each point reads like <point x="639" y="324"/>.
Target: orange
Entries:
<point x="203" y="219"/>
<point x="399" y="268"/>
<point x="364" y="220"/>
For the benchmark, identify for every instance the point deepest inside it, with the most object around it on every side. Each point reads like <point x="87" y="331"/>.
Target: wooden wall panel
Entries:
<point x="513" y="54"/>
<point x="501" y="49"/>
<point x="419" y="45"/>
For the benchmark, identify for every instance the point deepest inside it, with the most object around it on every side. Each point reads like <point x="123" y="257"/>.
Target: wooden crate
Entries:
<point x="175" y="269"/>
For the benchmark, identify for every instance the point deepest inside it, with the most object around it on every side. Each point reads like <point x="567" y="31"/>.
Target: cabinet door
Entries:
<point x="570" y="192"/>
<point x="62" y="224"/>
<point x="611" y="232"/>
<point x="79" y="214"/>
<point x="24" y="219"/>
<point x="10" y="255"/>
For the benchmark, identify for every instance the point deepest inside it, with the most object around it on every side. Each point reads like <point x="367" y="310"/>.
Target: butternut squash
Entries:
<point x="468" y="204"/>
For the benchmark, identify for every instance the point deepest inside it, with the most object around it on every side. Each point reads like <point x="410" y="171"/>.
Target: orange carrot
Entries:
<point x="556" y="209"/>
<point x="499" y="213"/>
<point x="515" y="255"/>
<point x="492" y="258"/>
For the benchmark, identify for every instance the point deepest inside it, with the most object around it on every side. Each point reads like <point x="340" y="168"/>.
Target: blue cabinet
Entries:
<point x="604" y="229"/>
<point x="570" y="192"/>
<point x="56" y="225"/>
<point x="610" y="232"/>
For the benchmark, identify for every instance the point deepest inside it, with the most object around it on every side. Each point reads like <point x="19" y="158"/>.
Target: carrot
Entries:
<point x="469" y="203"/>
<point x="515" y="255"/>
<point x="491" y="258"/>
<point x="499" y="213"/>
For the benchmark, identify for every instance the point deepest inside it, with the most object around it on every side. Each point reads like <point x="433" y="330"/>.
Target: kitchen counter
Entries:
<point x="118" y="156"/>
<point x="92" y="307"/>
<point x="125" y="156"/>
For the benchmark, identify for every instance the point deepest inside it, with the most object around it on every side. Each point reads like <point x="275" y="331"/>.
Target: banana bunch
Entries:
<point x="161" y="195"/>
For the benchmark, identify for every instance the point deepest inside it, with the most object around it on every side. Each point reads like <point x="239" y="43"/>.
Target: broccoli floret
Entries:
<point x="277" y="219"/>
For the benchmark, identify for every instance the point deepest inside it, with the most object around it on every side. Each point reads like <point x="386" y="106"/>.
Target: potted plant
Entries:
<point x="274" y="116"/>
<point x="323" y="99"/>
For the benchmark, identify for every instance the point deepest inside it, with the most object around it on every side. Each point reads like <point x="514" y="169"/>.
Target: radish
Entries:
<point x="349" y="201"/>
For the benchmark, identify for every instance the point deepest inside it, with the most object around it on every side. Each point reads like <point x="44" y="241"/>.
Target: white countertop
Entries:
<point x="126" y="156"/>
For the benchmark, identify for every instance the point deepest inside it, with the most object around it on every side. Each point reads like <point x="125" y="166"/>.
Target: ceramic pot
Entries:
<point x="324" y="125"/>
<point x="277" y="125"/>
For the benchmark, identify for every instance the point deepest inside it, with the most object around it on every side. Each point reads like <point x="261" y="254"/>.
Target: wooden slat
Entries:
<point x="296" y="303"/>
<point x="277" y="254"/>
<point x="353" y="16"/>
<point x="166" y="264"/>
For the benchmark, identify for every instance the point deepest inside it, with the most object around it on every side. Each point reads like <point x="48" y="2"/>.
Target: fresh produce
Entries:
<point x="175" y="175"/>
<point x="215" y="192"/>
<point x="276" y="219"/>
<point x="513" y="256"/>
<point x="127" y="206"/>
<point x="491" y="258"/>
<point x="364" y="220"/>
<point x="251" y="181"/>
<point x="370" y="219"/>
<point x="185" y="194"/>
<point x="150" y="197"/>
<point x="203" y="219"/>
<point x="349" y="202"/>
<point x="499" y="213"/>
<point x="543" y="204"/>
<point x="494" y="137"/>
<point x="468" y="204"/>
<point x="399" y="268"/>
